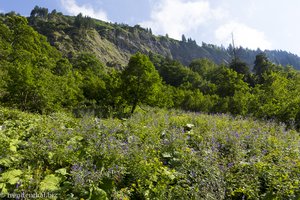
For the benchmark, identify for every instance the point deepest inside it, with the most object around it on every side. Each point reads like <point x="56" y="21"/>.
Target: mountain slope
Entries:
<point x="114" y="43"/>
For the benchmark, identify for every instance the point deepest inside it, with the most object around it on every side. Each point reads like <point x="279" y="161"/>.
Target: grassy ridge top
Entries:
<point x="157" y="154"/>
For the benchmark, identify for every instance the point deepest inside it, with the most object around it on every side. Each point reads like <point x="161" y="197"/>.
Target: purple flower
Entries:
<point x="237" y="135"/>
<point x="47" y="140"/>
<point x="213" y="148"/>
<point x="221" y="167"/>
<point x="193" y="174"/>
<point x="18" y="184"/>
<point x="76" y="167"/>
<point x="264" y="152"/>
<point x="230" y="165"/>
<point x="70" y="147"/>
<point x="213" y="140"/>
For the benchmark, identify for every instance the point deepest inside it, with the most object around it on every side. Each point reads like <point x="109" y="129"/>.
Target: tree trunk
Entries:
<point x="133" y="107"/>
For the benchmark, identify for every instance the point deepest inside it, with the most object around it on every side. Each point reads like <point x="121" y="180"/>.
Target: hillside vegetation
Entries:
<point x="36" y="77"/>
<point x="113" y="44"/>
<point x="83" y="117"/>
<point x="157" y="154"/>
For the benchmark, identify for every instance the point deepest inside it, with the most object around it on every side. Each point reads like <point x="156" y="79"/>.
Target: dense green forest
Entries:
<point x="36" y="77"/>
<point x="84" y="117"/>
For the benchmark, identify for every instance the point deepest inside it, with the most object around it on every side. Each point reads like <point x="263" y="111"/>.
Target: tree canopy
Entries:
<point x="36" y="77"/>
<point x="141" y="81"/>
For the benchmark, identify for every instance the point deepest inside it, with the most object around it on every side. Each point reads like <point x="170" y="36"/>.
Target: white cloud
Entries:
<point x="73" y="8"/>
<point x="205" y="20"/>
<point x="177" y="17"/>
<point x="243" y="35"/>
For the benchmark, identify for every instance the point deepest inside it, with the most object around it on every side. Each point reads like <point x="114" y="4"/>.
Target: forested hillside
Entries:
<point x="37" y="77"/>
<point x="113" y="44"/>
<point x="93" y="110"/>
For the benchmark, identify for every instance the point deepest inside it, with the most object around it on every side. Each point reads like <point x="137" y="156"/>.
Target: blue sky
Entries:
<point x="265" y="24"/>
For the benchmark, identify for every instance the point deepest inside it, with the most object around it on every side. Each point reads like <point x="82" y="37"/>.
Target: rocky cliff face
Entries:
<point x="113" y="44"/>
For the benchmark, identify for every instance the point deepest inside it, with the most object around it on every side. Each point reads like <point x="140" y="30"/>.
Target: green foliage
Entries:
<point x="228" y="81"/>
<point x="11" y="177"/>
<point x="175" y="74"/>
<point x="240" y="67"/>
<point x="36" y="78"/>
<point x="277" y="97"/>
<point x="39" y="12"/>
<point x="141" y="81"/>
<point x="92" y="73"/>
<point x="155" y="155"/>
<point x="152" y="154"/>
<point x="204" y="67"/>
<point x="73" y="33"/>
<point x="50" y="183"/>
<point x="83" y="22"/>
<point x="63" y="67"/>
<point x="261" y="64"/>
<point x="219" y="89"/>
<point x="193" y="100"/>
<point x="29" y="83"/>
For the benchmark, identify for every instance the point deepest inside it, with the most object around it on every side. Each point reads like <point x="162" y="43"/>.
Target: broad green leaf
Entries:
<point x="13" y="148"/>
<point x="11" y="177"/>
<point x="98" y="194"/>
<point x="50" y="183"/>
<point x="5" y="162"/>
<point x="2" y="185"/>
<point x="166" y="155"/>
<point x="62" y="171"/>
<point x="77" y="138"/>
<point x="169" y="174"/>
<point x="3" y="190"/>
<point x="50" y="155"/>
<point x="13" y="145"/>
